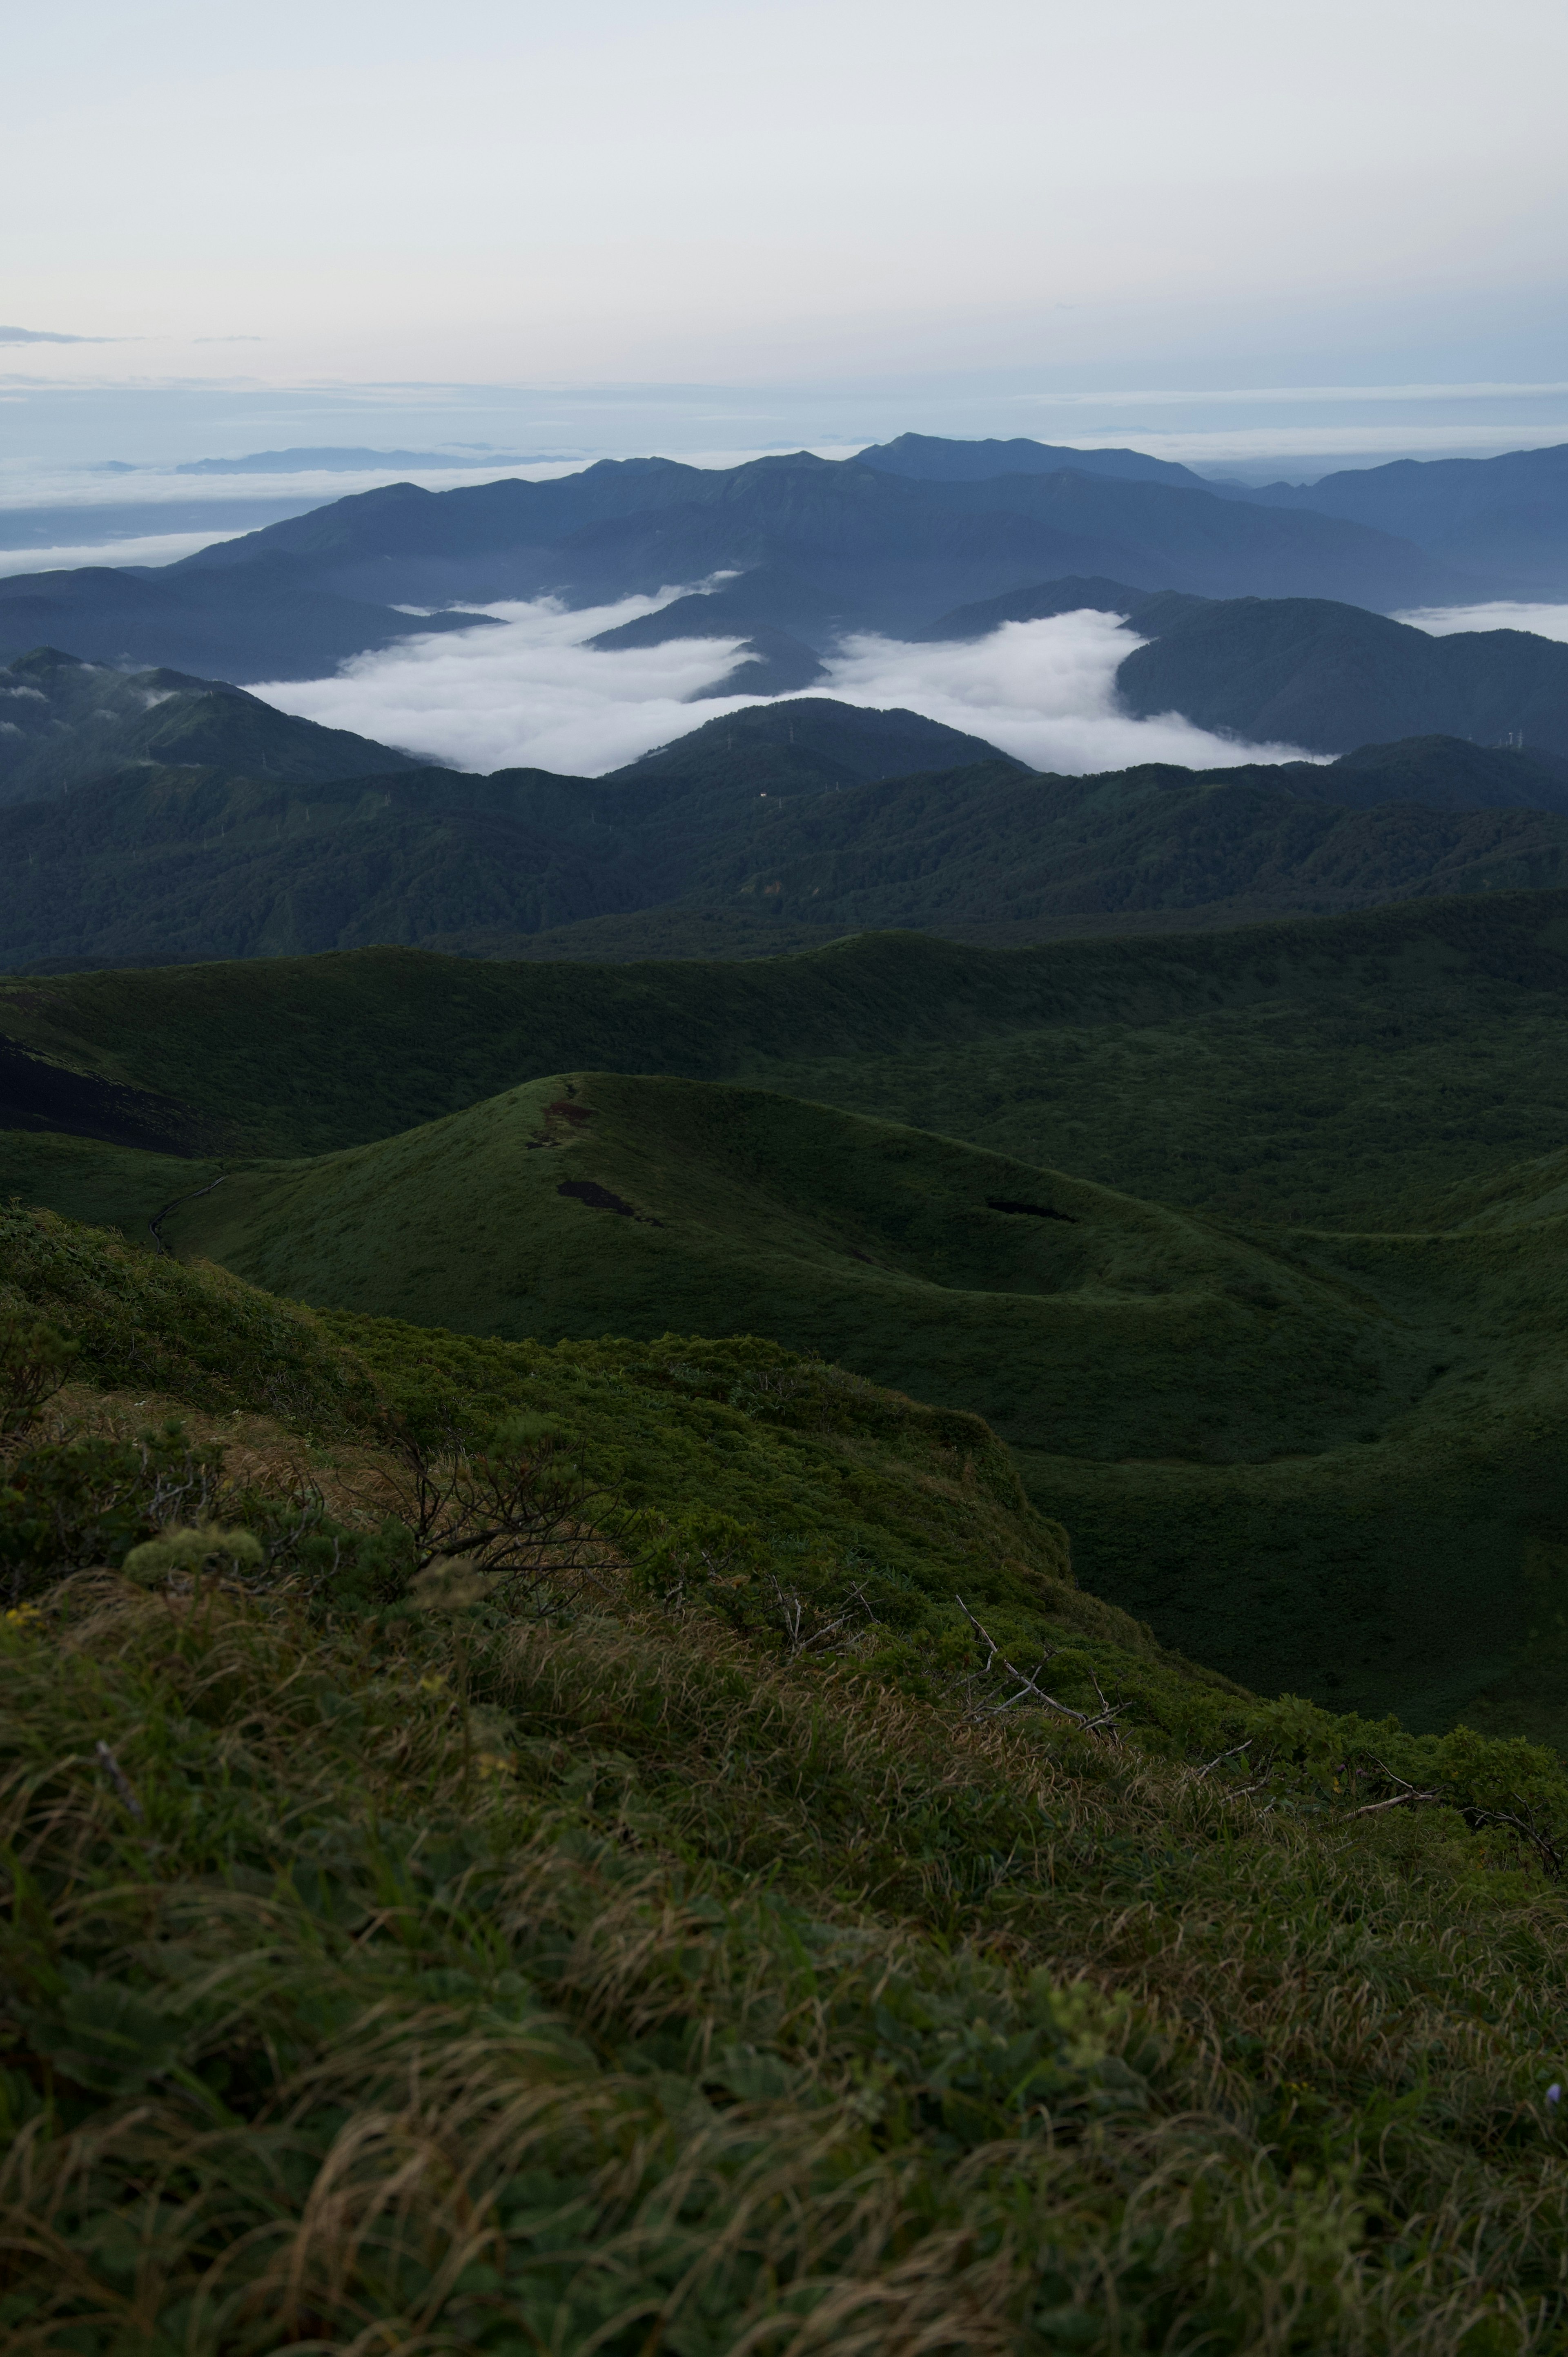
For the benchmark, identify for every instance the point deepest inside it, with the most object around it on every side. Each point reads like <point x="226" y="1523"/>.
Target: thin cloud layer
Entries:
<point x="1442" y="622"/>
<point x="532" y="693"/>
<point x="150" y="548"/>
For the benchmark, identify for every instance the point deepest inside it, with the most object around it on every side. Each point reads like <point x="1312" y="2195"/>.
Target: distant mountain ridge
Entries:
<point x="1505" y="515"/>
<point x="889" y="543"/>
<point x="934" y="458"/>
<point x="1327" y="676"/>
<point x="270" y="620"/>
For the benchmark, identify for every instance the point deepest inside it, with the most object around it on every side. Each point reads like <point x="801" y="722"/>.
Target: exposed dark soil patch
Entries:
<point x="1033" y="1210"/>
<point x="35" y="1094"/>
<point x="589" y="1191"/>
<point x="561" y="1111"/>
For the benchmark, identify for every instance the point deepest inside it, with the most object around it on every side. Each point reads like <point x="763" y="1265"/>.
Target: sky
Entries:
<point x="1240" y="234"/>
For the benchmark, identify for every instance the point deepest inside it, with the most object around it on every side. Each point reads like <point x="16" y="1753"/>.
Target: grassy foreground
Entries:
<point x="645" y="1950"/>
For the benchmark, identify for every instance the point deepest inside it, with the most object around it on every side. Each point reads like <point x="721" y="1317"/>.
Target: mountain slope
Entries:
<point x="1336" y="1070"/>
<point x="555" y="1892"/>
<point x="64" y="723"/>
<point x="982" y="854"/>
<point x="214" y="827"/>
<point x="156" y="864"/>
<point x="1507" y="515"/>
<point x="1272" y="1452"/>
<point x="266" y="620"/>
<point x="1069" y="596"/>
<point x="1329" y="676"/>
<point x="766" y="838"/>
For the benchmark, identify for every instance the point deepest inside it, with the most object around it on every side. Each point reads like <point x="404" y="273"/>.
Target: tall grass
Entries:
<point x="736" y="2006"/>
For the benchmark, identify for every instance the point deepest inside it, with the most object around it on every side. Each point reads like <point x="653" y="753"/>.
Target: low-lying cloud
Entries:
<point x="151" y="548"/>
<point x="526" y="690"/>
<point x="1442" y="622"/>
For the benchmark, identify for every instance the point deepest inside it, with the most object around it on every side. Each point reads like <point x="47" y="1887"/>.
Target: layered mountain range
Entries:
<point x="889" y="541"/>
<point x="151" y="817"/>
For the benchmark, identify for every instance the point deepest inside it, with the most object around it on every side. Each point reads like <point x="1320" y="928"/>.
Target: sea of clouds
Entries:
<point x="524" y="690"/>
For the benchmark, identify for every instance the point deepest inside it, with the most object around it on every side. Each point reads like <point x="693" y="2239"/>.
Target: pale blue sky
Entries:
<point x="536" y="225"/>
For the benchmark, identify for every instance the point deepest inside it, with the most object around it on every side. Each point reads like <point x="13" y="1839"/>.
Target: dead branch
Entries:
<point x="793" y="1616"/>
<point x="1027" y="1689"/>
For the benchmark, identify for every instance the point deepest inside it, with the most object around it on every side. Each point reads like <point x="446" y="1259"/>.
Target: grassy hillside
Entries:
<point x="477" y="1969"/>
<point x="1340" y="1072"/>
<point x="1325" y="1462"/>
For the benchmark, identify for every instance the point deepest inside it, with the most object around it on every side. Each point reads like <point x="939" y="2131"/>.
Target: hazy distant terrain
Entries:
<point x="890" y="545"/>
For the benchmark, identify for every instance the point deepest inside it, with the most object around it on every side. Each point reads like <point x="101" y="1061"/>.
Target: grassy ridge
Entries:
<point x="1339" y="1069"/>
<point x="1329" y="1461"/>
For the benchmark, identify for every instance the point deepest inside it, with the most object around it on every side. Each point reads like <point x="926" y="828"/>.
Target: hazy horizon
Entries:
<point x="1225" y="235"/>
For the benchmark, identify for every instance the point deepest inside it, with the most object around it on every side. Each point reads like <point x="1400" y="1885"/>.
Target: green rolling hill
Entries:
<point x="1333" y="1071"/>
<point x="1310" y="1459"/>
<point x="1228" y="1235"/>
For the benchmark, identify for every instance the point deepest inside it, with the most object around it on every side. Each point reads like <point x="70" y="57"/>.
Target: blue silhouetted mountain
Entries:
<point x="1327" y="676"/>
<point x="1505" y="516"/>
<point x="884" y="551"/>
<point x="780" y="622"/>
<point x="269" y="619"/>
<point x="933" y="458"/>
<point x="1072" y="595"/>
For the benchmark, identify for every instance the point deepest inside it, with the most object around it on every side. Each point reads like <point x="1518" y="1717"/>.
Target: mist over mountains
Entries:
<point x="155" y="818"/>
<point x="888" y="542"/>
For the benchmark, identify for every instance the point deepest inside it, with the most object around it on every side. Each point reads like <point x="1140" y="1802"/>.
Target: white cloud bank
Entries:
<point x="528" y="693"/>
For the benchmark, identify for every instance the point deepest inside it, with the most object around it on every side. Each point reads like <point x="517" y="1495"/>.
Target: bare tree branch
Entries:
<point x="1027" y="1689"/>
